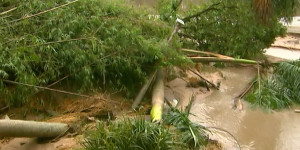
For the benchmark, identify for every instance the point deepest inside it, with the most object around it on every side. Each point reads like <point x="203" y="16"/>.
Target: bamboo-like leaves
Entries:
<point x="133" y="134"/>
<point x="281" y="89"/>
<point x="192" y="134"/>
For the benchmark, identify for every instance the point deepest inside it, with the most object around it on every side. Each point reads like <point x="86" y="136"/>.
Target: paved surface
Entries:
<point x="294" y="26"/>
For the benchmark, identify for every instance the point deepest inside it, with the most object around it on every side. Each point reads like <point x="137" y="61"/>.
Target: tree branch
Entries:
<point x="196" y="73"/>
<point x="61" y="41"/>
<point x="210" y="8"/>
<point x="5" y="12"/>
<point x="215" y="59"/>
<point x="45" y="11"/>
<point x="45" y="88"/>
<point x="206" y="53"/>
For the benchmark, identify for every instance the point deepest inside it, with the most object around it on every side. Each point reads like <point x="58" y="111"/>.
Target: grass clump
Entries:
<point x="281" y="89"/>
<point x="176" y="132"/>
<point x="133" y="134"/>
<point x="192" y="134"/>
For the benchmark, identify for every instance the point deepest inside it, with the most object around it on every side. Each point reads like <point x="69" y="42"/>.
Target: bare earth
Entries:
<point x="288" y="42"/>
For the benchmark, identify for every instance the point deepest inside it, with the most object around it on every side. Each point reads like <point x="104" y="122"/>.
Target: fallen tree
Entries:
<point x="215" y="59"/>
<point x="20" y="128"/>
<point x="158" y="97"/>
<point x="205" y="53"/>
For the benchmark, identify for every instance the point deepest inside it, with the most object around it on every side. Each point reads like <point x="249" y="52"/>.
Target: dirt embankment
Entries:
<point x="79" y="114"/>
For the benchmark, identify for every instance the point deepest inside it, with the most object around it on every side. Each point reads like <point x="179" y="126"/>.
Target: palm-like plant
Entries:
<point x="262" y="8"/>
<point x="280" y="90"/>
<point x="265" y="9"/>
<point x="192" y="134"/>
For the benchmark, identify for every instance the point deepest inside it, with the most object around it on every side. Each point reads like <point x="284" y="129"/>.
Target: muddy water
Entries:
<point x="254" y="129"/>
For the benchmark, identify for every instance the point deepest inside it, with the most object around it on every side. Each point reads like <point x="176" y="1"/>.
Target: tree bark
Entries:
<point x="20" y="128"/>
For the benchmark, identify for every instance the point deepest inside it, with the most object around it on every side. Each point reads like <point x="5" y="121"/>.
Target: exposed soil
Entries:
<point x="289" y="42"/>
<point x="79" y="114"/>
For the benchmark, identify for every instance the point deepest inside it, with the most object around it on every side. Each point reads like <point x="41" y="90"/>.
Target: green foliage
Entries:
<point x="168" y="9"/>
<point x="176" y="132"/>
<point x="192" y="134"/>
<point x="284" y="9"/>
<point x="229" y="27"/>
<point x="281" y="90"/>
<point x="97" y="43"/>
<point x="129" y="134"/>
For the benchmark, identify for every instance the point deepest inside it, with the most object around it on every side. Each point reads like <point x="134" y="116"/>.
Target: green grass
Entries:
<point x="129" y="134"/>
<point x="175" y="132"/>
<point x="192" y="134"/>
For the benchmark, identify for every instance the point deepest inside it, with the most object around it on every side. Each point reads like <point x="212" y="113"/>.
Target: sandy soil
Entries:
<point x="289" y="42"/>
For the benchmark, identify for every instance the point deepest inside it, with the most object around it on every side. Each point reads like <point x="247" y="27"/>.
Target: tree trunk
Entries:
<point x="143" y="91"/>
<point x="158" y="97"/>
<point x="20" y="128"/>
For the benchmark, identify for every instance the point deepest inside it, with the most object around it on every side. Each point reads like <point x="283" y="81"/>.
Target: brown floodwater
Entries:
<point x="254" y="129"/>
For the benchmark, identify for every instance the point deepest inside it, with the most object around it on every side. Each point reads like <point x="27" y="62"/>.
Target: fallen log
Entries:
<point x="247" y="89"/>
<point x="205" y="53"/>
<point x="215" y="59"/>
<point x="20" y="128"/>
<point x="157" y="97"/>
<point x="143" y="90"/>
<point x="237" y="103"/>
